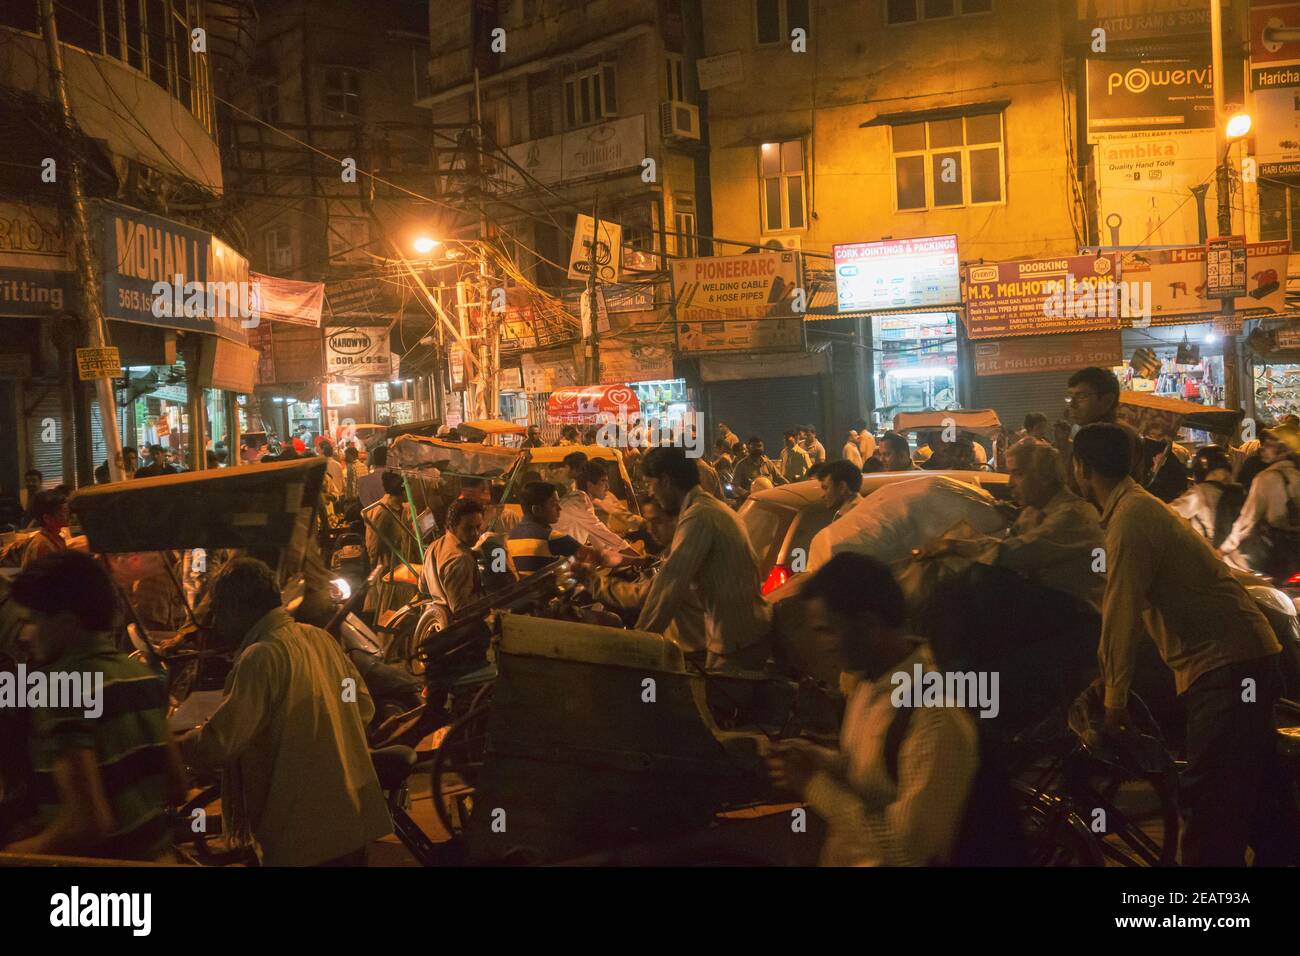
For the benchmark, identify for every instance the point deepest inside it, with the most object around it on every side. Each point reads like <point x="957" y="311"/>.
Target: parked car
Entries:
<point x="783" y="519"/>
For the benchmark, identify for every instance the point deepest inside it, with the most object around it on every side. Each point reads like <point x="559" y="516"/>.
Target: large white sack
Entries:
<point x="893" y="520"/>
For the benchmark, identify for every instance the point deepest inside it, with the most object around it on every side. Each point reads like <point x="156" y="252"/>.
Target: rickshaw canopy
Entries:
<point x="980" y="421"/>
<point x="1142" y="409"/>
<point x="245" y="507"/>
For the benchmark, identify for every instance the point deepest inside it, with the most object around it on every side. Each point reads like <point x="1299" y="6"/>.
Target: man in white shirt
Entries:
<point x="333" y="469"/>
<point x="795" y="460"/>
<point x="1274" y="496"/>
<point x="578" y="517"/>
<point x="808" y="438"/>
<point x="851" y="451"/>
<point x="899" y="805"/>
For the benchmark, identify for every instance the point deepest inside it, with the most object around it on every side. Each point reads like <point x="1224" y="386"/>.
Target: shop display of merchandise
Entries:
<point x="1277" y="391"/>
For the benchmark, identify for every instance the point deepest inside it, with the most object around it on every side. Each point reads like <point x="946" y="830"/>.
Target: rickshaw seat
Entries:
<point x="392" y="765"/>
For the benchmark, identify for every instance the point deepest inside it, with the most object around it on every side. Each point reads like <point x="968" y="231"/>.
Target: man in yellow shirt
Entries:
<point x="1165" y="579"/>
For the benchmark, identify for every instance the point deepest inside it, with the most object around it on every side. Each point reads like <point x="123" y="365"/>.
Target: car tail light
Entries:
<point x="775" y="578"/>
<point x="1293" y="579"/>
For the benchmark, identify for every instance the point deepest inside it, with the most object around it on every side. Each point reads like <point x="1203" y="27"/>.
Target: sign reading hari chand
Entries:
<point x="738" y="303"/>
<point x="1039" y="296"/>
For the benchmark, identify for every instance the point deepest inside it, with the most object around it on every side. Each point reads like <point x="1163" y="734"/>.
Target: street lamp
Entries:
<point x="1238" y="126"/>
<point x="425" y="245"/>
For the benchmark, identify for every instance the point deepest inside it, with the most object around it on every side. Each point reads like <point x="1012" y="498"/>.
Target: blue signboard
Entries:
<point x="163" y="273"/>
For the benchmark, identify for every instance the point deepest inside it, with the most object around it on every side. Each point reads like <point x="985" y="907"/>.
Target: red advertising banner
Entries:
<point x="1042" y="296"/>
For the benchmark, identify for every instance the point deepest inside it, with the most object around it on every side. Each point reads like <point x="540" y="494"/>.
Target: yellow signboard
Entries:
<point x="98" y="363"/>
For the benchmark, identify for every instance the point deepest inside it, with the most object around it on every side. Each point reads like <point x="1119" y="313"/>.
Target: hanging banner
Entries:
<point x="1174" y="279"/>
<point x="1144" y="183"/>
<point x="738" y="303"/>
<point x="1037" y="296"/>
<point x="1127" y="94"/>
<point x="359" y="352"/>
<point x="456" y="365"/>
<point x="288" y="300"/>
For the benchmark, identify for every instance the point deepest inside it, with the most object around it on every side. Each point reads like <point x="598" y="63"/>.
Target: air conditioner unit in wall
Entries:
<point x="678" y="120"/>
<point x="783" y="243"/>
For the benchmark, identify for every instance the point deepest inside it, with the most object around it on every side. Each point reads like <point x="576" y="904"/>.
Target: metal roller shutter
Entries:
<point x="1015" y="396"/>
<point x="767" y="407"/>
<point x="46" y="456"/>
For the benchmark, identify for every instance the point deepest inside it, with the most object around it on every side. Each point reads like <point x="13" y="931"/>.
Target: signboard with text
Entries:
<point x="1048" y="353"/>
<point x="1143" y="19"/>
<point x="36" y="275"/>
<point x="1136" y="93"/>
<point x="897" y="274"/>
<point x="138" y="250"/>
<point x="1174" y="278"/>
<point x="98" y="363"/>
<point x="738" y="303"/>
<point x="1037" y="296"/>
<point x="359" y="352"/>
<point x="1225" y="267"/>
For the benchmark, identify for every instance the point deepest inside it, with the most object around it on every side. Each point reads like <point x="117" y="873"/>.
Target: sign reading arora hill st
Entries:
<point x="1040" y="296"/>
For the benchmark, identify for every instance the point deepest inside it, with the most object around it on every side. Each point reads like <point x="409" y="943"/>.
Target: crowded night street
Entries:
<point x="592" y="435"/>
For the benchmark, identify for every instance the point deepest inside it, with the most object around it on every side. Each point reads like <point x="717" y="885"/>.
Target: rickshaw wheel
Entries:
<point x="458" y="762"/>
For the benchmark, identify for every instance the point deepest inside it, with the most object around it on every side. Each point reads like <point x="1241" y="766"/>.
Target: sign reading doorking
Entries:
<point x="1132" y="93"/>
<point x="361" y="352"/>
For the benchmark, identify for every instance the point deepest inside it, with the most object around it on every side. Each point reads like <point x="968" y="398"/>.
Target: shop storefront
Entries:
<point x="1275" y="375"/>
<point x="1190" y="361"/>
<point x="915" y="363"/>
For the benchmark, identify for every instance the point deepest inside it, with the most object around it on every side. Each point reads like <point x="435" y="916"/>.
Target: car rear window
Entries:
<point x="766" y="526"/>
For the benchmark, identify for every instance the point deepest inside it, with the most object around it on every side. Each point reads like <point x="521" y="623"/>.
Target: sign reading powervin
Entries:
<point x="1132" y="93"/>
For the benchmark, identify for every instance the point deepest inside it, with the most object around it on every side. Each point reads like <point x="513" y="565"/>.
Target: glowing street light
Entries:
<point x="425" y="245"/>
<point x="1238" y="125"/>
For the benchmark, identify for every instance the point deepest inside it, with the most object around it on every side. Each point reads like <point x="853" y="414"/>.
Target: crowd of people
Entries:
<point x="1173" y="528"/>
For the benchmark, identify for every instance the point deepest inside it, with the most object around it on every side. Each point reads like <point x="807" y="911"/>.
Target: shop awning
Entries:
<point x="581" y="404"/>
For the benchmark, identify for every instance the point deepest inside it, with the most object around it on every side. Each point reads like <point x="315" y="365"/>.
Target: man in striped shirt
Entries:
<point x="534" y="543"/>
<point x="101" y="781"/>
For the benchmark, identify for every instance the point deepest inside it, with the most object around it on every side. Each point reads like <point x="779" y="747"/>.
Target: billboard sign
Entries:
<point x="1037" y="296"/>
<point x="896" y="274"/>
<point x="1135" y="93"/>
<point x="738" y="303"/>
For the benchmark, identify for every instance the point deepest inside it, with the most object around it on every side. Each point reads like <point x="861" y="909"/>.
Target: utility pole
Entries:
<point x="489" y="327"/>
<point x="593" y="343"/>
<point x="1223" y="186"/>
<point x="97" y="331"/>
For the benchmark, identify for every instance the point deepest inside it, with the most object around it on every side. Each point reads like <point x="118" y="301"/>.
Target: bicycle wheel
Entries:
<point x="1054" y="834"/>
<point x="458" y="762"/>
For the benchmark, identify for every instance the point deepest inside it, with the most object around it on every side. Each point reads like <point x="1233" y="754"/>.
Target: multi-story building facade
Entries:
<point x="141" y="80"/>
<point x="328" y="161"/>
<point x="588" y="108"/>
<point x="844" y="122"/>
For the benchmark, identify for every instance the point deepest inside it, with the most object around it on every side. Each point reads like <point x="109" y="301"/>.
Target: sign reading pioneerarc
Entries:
<point x="897" y="274"/>
<point x="1132" y="93"/>
<point x="738" y="303"/>
<point x="357" y="352"/>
